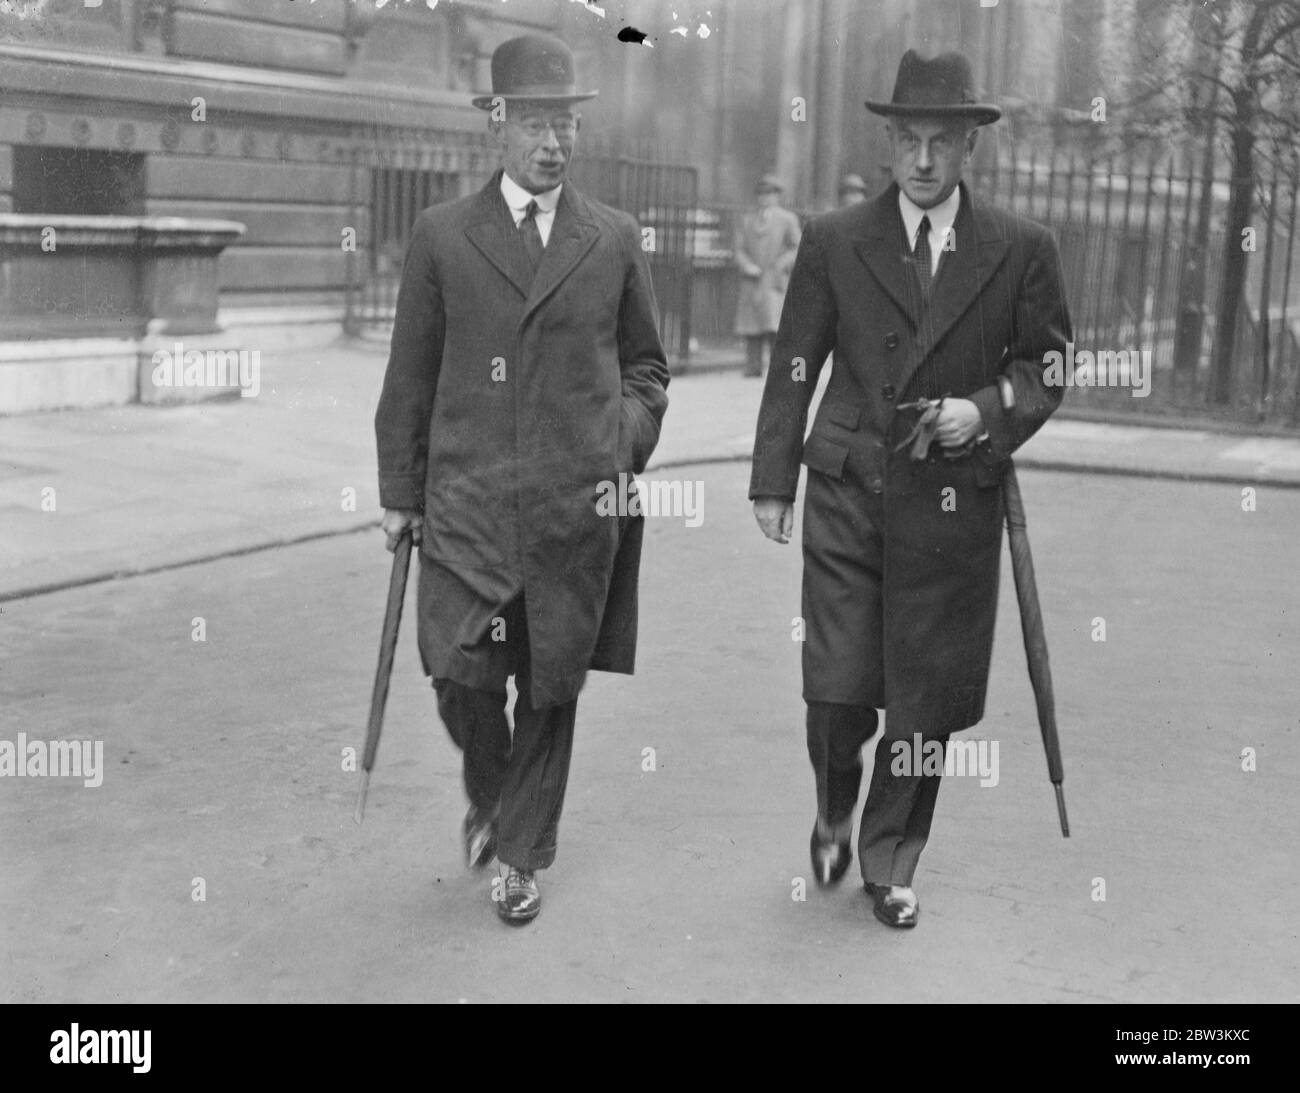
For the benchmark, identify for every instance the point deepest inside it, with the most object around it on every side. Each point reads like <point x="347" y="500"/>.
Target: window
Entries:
<point x="78" y="181"/>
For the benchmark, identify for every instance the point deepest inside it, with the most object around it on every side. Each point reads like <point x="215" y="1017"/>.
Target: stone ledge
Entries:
<point x="141" y="232"/>
<point x="67" y="374"/>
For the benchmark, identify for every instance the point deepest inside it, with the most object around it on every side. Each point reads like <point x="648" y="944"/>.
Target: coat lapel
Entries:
<point x="492" y="230"/>
<point x="573" y="234"/>
<point x="879" y="244"/>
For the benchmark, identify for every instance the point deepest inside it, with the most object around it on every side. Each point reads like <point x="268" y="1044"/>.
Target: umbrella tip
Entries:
<point x="1060" y="808"/>
<point x="359" y="814"/>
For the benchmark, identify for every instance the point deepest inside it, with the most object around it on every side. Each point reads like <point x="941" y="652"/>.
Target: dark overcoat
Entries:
<point x="507" y="401"/>
<point x="901" y="559"/>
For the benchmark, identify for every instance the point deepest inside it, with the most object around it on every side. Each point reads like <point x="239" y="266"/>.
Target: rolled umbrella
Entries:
<point x="1022" y="566"/>
<point x="1031" y="623"/>
<point x="387" y="647"/>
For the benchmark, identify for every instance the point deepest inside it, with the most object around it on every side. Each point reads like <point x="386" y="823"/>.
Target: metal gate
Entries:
<point x="663" y="197"/>
<point x="396" y="174"/>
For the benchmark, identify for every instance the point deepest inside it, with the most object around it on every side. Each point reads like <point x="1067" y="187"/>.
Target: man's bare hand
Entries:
<point x="959" y="422"/>
<point x="775" y="517"/>
<point x="396" y="521"/>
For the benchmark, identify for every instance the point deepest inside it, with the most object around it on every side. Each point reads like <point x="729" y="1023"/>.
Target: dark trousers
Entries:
<point x="899" y="808"/>
<point x="754" y="346"/>
<point x="523" y="774"/>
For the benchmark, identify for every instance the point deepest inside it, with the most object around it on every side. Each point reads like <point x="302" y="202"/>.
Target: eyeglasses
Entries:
<point x="940" y="145"/>
<point x="534" y="126"/>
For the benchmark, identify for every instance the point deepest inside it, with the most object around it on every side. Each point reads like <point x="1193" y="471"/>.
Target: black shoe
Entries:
<point x="895" y="905"/>
<point x="520" y="900"/>
<point x="830" y="859"/>
<point x="480" y="832"/>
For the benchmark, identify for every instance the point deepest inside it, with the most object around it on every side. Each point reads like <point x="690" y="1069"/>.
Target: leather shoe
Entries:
<point x="830" y="858"/>
<point x="895" y="905"/>
<point x="520" y="900"/>
<point x="480" y="833"/>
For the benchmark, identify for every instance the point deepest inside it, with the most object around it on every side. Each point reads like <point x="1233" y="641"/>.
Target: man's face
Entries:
<point x="928" y="156"/>
<point x="852" y="197"/>
<point x="767" y="198"/>
<point x="536" y="143"/>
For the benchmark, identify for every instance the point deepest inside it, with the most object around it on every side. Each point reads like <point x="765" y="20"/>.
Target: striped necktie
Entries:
<point x="921" y="255"/>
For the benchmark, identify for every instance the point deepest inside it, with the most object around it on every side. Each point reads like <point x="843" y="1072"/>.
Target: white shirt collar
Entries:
<point x="942" y="216"/>
<point x="518" y="198"/>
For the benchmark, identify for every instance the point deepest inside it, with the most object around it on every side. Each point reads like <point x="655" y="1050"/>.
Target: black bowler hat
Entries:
<point x="940" y="88"/>
<point x="533" y="68"/>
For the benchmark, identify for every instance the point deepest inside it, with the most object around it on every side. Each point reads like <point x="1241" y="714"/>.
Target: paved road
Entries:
<point x="223" y="761"/>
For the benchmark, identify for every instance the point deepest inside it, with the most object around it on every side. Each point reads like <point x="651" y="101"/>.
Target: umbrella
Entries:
<point x="387" y="646"/>
<point x="1022" y="565"/>
<point x="1031" y="623"/>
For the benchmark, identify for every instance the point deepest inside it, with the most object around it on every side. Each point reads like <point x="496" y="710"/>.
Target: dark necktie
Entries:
<point x="532" y="237"/>
<point x="921" y="255"/>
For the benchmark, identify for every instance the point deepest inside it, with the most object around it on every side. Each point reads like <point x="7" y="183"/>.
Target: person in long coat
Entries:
<point x="922" y="293"/>
<point x="766" y="241"/>
<point x="526" y="381"/>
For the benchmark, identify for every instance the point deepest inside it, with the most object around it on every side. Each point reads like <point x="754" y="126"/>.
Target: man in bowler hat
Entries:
<point x="923" y="293"/>
<point x="525" y="372"/>
<point x="767" y="238"/>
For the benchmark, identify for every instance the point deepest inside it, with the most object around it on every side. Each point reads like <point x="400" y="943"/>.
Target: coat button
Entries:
<point x="891" y="340"/>
<point x="888" y="390"/>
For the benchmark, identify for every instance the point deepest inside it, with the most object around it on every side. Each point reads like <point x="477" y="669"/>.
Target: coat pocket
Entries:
<point x="628" y="458"/>
<point x="825" y="456"/>
<point x="843" y="415"/>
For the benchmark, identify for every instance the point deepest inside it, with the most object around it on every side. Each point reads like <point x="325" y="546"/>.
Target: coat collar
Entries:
<point x="492" y="230"/>
<point x="980" y="247"/>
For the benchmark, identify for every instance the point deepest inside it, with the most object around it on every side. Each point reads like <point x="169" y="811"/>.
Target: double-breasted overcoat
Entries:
<point x="508" y="400"/>
<point x="902" y="558"/>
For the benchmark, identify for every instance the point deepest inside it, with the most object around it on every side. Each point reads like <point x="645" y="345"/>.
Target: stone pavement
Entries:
<point x="689" y="881"/>
<point x="140" y="488"/>
<point x="221" y="759"/>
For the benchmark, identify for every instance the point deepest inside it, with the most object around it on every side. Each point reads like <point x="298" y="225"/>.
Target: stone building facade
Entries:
<point x="322" y="126"/>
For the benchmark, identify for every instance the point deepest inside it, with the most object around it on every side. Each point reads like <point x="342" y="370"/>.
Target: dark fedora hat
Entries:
<point x="939" y="88"/>
<point x="533" y="68"/>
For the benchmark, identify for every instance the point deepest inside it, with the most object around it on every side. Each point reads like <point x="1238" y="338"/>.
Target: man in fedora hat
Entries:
<point x="526" y="376"/>
<point x="767" y="238"/>
<point x="923" y="293"/>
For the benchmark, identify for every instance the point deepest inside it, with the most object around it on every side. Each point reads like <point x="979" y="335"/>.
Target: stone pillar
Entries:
<point x="828" y="161"/>
<point x="792" y="136"/>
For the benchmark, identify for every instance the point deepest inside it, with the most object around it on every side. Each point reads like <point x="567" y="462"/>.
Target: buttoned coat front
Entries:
<point x="902" y="558"/>
<point x="508" y="400"/>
